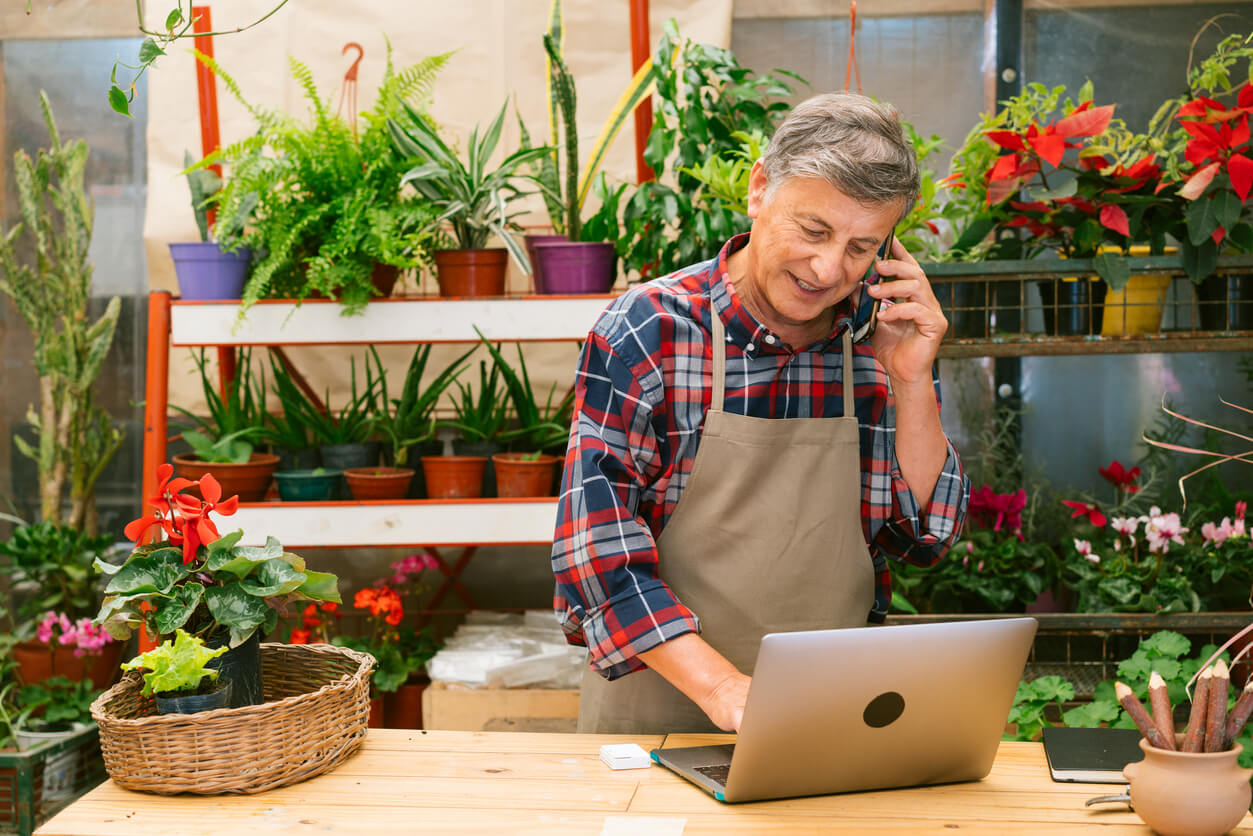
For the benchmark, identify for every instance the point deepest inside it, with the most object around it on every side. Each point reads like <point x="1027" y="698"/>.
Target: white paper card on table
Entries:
<point x="642" y="826"/>
<point x="624" y="756"/>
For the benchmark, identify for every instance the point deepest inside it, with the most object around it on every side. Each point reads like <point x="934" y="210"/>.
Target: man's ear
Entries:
<point x="756" y="189"/>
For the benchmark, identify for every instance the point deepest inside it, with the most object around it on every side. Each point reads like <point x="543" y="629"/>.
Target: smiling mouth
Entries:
<point x="807" y="288"/>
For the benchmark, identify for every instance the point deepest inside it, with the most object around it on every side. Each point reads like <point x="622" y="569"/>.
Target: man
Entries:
<point x="722" y="482"/>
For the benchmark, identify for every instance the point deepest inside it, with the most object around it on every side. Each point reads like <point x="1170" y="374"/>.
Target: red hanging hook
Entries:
<point x="349" y="90"/>
<point x="852" y="52"/>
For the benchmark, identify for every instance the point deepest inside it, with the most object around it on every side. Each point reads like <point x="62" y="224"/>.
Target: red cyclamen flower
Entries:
<point x="1092" y="512"/>
<point x="1120" y="477"/>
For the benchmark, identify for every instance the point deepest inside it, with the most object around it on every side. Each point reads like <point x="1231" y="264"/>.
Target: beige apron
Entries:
<point x="766" y="537"/>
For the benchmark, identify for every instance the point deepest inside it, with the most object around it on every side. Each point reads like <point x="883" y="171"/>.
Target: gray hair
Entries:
<point x="853" y="142"/>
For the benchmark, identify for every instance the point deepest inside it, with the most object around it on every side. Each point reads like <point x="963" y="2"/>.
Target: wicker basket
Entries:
<point x="317" y="704"/>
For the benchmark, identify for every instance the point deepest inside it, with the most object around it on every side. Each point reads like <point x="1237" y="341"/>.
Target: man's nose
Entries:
<point x="828" y="265"/>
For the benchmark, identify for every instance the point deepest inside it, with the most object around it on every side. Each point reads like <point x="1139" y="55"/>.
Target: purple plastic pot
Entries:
<point x="205" y="272"/>
<point x="532" y="241"/>
<point x="577" y="267"/>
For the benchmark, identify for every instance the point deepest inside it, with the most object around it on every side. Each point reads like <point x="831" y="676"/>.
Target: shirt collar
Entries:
<point x="742" y="327"/>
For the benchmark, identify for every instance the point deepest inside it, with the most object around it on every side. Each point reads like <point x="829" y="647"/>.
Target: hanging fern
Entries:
<point x="325" y="206"/>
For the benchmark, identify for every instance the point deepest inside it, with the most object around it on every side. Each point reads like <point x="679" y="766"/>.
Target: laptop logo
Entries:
<point x="884" y="709"/>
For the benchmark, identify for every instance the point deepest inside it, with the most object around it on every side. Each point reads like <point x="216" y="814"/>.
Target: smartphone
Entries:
<point x="867" y="315"/>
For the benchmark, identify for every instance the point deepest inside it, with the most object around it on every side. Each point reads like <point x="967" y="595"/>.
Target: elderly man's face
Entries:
<point x="811" y="245"/>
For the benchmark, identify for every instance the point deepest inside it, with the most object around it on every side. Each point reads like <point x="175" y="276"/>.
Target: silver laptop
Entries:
<point x="833" y="711"/>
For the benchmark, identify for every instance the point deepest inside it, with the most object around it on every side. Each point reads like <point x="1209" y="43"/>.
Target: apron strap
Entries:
<point x="847" y="380"/>
<point x="720" y="359"/>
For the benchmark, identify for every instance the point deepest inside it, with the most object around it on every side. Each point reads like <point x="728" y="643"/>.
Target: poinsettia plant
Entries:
<point x="1072" y="176"/>
<point x="198" y="580"/>
<point x="1207" y="147"/>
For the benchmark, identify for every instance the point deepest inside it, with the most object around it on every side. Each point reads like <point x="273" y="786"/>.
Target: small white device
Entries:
<point x="624" y="756"/>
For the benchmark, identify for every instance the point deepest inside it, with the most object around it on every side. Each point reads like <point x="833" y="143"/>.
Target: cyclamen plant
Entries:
<point x="198" y="580"/>
<point x="85" y="637"/>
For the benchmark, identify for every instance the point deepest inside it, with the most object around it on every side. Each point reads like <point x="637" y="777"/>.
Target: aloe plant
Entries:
<point x="410" y="419"/>
<point x="473" y="200"/>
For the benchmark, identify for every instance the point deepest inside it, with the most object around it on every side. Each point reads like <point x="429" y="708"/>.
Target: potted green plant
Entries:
<point x="578" y="258"/>
<point x="472" y="200"/>
<point x="311" y="485"/>
<point x="174" y="673"/>
<point x="49" y="712"/>
<point x="331" y="217"/>
<point x="211" y="268"/>
<point x="480" y="416"/>
<point x="205" y="583"/>
<point x="223" y="444"/>
<point x="407" y="422"/>
<point x="287" y="432"/>
<point x="44" y="269"/>
<point x="50" y="571"/>
<point x="539" y="430"/>
<point x="344" y="437"/>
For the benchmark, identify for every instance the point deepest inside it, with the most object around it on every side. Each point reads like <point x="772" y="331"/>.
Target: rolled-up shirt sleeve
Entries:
<point x="922" y="536"/>
<point x="609" y="595"/>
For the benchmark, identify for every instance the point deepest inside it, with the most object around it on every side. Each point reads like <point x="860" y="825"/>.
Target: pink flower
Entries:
<point x="1093" y="558"/>
<point x="979" y="568"/>
<point x="1083" y="547"/>
<point x="1162" y="530"/>
<point x="1240" y="509"/>
<point x="1125" y="525"/>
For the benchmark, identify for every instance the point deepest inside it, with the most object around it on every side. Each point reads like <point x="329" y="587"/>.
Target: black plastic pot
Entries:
<point x="461" y="447"/>
<point x="1226" y="302"/>
<point x="306" y="459"/>
<point x="344" y="456"/>
<point x="1072" y="307"/>
<point x="175" y="703"/>
<point x="240" y="666"/>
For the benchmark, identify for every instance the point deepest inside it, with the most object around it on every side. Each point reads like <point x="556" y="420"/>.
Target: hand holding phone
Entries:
<point x="867" y="315"/>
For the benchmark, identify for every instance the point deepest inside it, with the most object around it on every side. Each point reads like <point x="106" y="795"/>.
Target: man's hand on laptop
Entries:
<point x="704" y="675"/>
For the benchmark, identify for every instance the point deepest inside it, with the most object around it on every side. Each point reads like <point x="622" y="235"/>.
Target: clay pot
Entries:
<point x="454" y="477"/>
<point x="471" y="272"/>
<point x="376" y="713"/>
<point x="37" y="661"/>
<point x="524" y="474"/>
<point x="402" y="708"/>
<point x="249" y="480"/>
<point x="379" y="482"/>
<point x="1189" y="794"/>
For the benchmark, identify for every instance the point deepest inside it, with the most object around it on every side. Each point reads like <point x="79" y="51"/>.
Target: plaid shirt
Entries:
<point x="641" y="394"/>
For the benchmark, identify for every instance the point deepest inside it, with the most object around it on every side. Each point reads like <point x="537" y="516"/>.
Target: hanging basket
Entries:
<point x="317" y="702"/>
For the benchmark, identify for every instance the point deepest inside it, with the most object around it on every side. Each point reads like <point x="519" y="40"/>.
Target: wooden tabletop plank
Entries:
<point x="482" y="782"/>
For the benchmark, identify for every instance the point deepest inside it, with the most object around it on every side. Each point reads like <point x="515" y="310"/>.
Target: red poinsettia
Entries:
<point x="1120" y="477"/>
<point x="1219" y="141"/>
<point x="1041" y="142"/>
<point x="1086" y="509"/>
<point x="183" y="518"/>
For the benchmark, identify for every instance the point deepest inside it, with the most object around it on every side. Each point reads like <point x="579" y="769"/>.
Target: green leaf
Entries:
<point x="1201" y="219"/>
<point x="157" y="572"/>
<point x="1113" y="268"/>
<point x="233" y="607"/>
<point x="172" y="613"/>
<point x="177" y="665"/>
<point x="104" y="567"/>
<point x="321" y="586"/>
<point x="1167" y="643"/>
<point x="149" y="51"/>
<point x="226" y="541"/>
<point x="118" y="101"/>
<point x="1227" y="208"/>
<point x="1090" y="715"/>
<point x="274" y="577"/>
<point x="174" y="18"/>
<point x="1199" y="261"/>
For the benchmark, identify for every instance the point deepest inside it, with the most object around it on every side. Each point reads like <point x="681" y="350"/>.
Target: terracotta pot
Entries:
<point x="37" y="661"/>
<point x="1189" y="794"/>
<point x="249" y="480"/>
<point x="471" y="272"/>
<point x="379" y="482"/>
<point x="524" y="474"/>
<point x="454" y="477"/>
<point x="376" y="713"/>
<point x="402" y="708"/>
<point x="384" y="278"/>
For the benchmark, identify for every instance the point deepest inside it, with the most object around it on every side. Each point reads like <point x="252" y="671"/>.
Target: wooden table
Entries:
<point x="492" y="782"/>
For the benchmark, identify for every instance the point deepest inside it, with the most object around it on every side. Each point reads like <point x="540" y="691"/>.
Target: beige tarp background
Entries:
<point x="498" y="56"/>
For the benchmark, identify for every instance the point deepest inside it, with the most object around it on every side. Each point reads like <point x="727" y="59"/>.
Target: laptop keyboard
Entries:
<point x="718" y="773"/>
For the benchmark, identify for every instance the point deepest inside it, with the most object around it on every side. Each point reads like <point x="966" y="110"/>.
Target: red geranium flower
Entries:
<point x="299" y="636"/>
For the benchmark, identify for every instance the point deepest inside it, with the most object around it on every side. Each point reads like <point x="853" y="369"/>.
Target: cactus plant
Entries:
<point x="44" y="269"/>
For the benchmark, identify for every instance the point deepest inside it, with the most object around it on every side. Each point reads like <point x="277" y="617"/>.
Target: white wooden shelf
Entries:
<point x="403" y="523"/>
<point x="399" y="320"/>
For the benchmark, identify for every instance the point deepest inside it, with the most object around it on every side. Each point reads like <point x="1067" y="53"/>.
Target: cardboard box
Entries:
<point x="458" y="708"/>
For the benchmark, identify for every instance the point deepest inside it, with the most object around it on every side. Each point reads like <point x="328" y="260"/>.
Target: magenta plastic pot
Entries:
<point x="533" y="241"/>
<point x="205" y="272"/>
<point x="577" y="267"/>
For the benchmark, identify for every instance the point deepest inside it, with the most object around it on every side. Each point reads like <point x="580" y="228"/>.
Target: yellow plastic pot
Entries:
<point x="1137" y="308"/>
